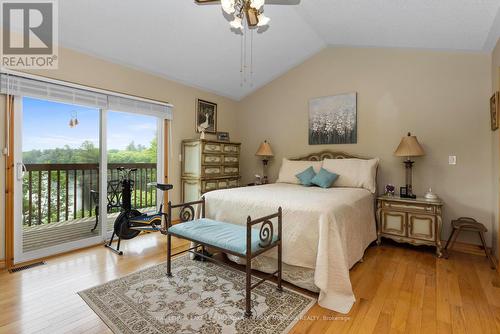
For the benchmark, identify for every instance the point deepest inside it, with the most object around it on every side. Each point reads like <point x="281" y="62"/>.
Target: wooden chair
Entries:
<point x="468" y="224"/>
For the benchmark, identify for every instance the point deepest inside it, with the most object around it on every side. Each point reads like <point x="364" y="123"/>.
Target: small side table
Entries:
<point x="414" y="221"/>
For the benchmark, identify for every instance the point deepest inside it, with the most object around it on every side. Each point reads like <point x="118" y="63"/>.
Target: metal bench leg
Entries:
<point x="488" y="254"/>
<point x="248" y="291"/>
<point x="169" y="255"/>
<point x="248" y="278"/>
<point x="280" y="288"/>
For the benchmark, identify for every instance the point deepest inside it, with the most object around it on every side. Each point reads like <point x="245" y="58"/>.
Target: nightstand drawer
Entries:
<point x="421" y="226"/>
<point x="394" y="223"/>
<point x="408" y="207"/>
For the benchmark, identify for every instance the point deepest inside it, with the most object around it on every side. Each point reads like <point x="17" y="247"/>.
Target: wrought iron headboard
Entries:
<point x="319" y="156"/>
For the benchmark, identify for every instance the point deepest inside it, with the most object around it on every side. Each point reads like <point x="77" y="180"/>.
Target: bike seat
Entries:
<point x="164" y="186"/>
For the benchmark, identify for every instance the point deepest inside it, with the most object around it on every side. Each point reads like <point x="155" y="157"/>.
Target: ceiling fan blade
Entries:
<point x="251" y="14"/>
<point x="282" y="2"/>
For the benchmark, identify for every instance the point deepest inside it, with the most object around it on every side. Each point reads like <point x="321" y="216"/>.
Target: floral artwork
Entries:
<point x="332" y="120"/>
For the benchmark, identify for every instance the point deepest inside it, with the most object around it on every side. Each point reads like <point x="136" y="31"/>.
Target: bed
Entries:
<point x="325" y="231"/>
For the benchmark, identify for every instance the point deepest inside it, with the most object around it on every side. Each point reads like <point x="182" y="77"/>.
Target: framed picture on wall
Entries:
<point x="494" y="111"/>
<point x="206" y="116"/>
<point x="333" y="119"/>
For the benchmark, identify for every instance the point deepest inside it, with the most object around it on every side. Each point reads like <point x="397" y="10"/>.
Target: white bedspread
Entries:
<point x="326" y="230"/>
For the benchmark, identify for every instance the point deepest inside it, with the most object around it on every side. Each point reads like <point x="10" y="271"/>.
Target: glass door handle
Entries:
<point x="21" y="168"/>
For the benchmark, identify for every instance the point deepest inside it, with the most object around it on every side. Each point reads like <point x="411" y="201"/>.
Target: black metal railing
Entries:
<point x="62" y="192"/>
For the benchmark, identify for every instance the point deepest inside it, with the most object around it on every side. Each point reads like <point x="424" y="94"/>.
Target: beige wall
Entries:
<point x="495" y="149"/>
<point x="87" y="70"/>
<point x="441" y="97"/>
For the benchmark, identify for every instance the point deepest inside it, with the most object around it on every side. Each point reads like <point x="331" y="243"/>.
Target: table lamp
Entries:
<point x="265" y="152"/>
<point x="409" y="147"/>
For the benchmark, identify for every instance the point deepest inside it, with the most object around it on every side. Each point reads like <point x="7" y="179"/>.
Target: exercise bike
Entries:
<point x="130" y="222"/>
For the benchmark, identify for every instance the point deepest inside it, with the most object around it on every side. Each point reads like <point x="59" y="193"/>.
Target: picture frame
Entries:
<point x="403" y="192"/>
<point x="494" y="110"/>
<point x="333" y="119"/>
<point x="206" y="116"/>
<point x="223" y="136"/>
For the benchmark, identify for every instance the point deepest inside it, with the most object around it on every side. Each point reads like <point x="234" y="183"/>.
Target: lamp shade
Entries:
<point x="264" y="150"/>
<point x="409" y="147"/>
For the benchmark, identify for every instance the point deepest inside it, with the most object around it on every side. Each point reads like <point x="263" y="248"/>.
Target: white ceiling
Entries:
<point x="193" y="44"/>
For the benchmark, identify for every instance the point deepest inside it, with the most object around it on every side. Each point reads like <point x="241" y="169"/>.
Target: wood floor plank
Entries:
<point x="398" y="290"/>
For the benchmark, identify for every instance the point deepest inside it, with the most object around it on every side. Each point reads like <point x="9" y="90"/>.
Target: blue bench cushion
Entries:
<point x="219" y="234"/>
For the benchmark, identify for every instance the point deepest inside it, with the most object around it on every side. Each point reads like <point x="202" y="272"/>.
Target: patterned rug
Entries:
<point x="201" y="297"/>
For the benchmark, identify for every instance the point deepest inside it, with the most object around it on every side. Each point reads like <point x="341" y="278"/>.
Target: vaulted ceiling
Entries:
<point x="193" y="44"/>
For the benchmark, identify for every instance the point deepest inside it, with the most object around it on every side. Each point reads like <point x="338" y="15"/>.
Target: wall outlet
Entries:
<point x="452" y="160"/>
<point x="180" y="157"/>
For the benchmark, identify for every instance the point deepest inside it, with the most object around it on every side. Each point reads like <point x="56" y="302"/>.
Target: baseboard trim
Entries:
<point x="465" y="247"/>
<point x="2" y="264"/>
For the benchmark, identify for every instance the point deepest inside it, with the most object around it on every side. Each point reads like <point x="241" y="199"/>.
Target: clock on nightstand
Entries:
<point x="415" y="221"/>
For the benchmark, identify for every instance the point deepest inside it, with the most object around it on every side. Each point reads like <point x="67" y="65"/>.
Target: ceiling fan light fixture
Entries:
<point x="228" y="6"/>
<point x="236" y="23"/>
<point x="263" y="20"/>
<point x="257" y="4"/>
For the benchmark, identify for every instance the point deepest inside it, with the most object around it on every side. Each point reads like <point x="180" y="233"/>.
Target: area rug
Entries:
<point x="200" y="297"/>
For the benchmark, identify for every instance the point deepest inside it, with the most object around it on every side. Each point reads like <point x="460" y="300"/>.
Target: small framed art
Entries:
<point x="223" y="136"/>
<point x="494" y="111"/>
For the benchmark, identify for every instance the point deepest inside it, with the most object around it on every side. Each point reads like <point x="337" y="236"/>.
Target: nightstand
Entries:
<point x="415" y="221"/>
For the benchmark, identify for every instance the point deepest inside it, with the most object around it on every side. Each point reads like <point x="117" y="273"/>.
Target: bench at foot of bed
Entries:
<point x="243" y="241"/>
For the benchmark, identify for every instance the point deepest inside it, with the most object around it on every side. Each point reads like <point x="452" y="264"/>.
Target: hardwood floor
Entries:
<point x="399" y="290"/>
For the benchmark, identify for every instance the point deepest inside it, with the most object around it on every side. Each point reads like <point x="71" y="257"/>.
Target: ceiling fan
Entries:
<point x="253" y="10"/>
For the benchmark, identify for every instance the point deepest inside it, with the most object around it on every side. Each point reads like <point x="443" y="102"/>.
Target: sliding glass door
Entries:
<point x="66" y="182"/>
<point x="56" y="176"/>
<point x="132" y="143"/>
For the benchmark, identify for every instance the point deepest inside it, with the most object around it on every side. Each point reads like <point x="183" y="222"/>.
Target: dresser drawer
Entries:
<point x="231" y="160"/>
<point x="394" y="223"/>
<point x="231" y="170"/>
<point x="211" y="159"/>
<point x="212" y="148"/>
<point x="231" y="149"/>
<point x="223" y="184"/>
<point x="232" y="183"/>
<point x="416" y="207"/>
<point x="211" y="171"/>
<point x="209" y="185"/>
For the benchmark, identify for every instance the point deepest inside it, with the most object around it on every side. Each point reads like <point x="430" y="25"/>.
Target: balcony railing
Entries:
<point x="62" y="192"/>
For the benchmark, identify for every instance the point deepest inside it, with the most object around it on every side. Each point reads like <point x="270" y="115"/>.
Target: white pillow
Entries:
<point x="290" y="168"/>
<point x="353" y="173"/>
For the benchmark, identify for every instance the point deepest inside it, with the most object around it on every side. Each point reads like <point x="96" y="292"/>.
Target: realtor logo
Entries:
<point x="29" y="34"/>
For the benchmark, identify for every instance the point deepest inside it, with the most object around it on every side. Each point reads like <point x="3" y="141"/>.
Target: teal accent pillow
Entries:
<point x="324" y="178"/>
<point x="306" y="176"/>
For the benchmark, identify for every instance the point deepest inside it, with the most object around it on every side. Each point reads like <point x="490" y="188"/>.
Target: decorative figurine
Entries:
<point x="390" y="190"/>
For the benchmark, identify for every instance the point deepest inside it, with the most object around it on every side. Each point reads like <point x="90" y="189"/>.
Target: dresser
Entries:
<point x="415" y="221"/>
<point x="208" y="165"/>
